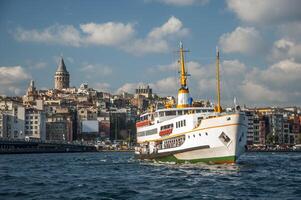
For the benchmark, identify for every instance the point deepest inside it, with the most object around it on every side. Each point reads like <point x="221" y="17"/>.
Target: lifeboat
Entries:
<point x="143" y="123"/>
<point x="165" y="132"/>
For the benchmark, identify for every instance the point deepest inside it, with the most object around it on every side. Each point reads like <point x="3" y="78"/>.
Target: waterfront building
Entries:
<point x="16" y="122"/>
<point x="295" y="128"/>
<point x="276" y="128"/>
<point x="61" y="77"/>
<point x="256" y="125"/>
<point x="61" y="125"/>
<point x="3" y="124"/>
<point x="35" y="124"/>
<point x="122" y="124"/>
<point x="104" y="124"/>
<point x="250" y="134"/>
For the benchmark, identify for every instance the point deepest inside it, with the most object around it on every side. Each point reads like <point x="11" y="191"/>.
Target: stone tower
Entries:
<point x="61" y="78"/>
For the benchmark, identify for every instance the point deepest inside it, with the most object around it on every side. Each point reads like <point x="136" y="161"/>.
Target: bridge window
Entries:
<point x="170" y="113"/>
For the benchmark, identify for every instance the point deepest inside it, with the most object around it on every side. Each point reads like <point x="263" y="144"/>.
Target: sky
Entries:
<point x="114" y="46"/>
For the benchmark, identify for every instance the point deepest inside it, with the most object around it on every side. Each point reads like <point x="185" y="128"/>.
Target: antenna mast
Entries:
<point x="218" y="107"/>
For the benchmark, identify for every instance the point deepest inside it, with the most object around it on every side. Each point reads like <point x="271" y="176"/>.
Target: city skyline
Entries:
<point x="116" y="46"/>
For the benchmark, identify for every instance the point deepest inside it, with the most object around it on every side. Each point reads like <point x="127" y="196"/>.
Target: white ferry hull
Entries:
<point x="205" y="143"/>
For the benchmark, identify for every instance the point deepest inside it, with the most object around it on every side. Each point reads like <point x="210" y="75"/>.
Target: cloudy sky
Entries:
<point x="116" y="45"/>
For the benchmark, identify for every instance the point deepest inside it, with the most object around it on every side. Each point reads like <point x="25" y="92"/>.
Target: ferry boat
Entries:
<point x="188" y="134"/>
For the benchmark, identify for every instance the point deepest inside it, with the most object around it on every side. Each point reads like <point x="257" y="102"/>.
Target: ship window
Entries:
<point x="161" y="114"/>
<point x="181" y="123"/>
<point x="170" y="113"/>
<point x="184" y="122"/>
<point x="200" y="134"/>
<point x="193" y="135"/>
<point x="206" y="133"/>
<point x="185" y="112"/>
<point x="224" y="138"/>
<point x="180" y="112"/>
<point x="188" y="136"/>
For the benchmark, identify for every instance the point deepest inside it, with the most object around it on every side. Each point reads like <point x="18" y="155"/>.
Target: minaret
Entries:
<point x="61" y="78"/>
<point x="183" y="94"/>
<point x="31" y="90"/>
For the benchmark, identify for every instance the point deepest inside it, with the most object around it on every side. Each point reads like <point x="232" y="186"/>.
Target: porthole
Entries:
<point x="188" y="136"/>
<point x="200" y="134"/>
<point x="206" y="133"/>
<point x="193" y="135"/>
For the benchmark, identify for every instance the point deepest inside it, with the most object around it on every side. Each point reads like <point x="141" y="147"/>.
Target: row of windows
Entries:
<point x="174" y="142"/>
<point x="31" y="132"/>
<point x="193" y="136"/>
<point x="181" y="123"/>
<point x="29" y="122"/>
<point x="168" y="126"/>
<point x="31" y="117"/>
<point x="181" y="112"/>
<point x="149" y="132"/>
<point x="31" y="127"/>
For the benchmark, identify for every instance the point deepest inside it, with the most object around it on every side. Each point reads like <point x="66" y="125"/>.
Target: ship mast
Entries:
<point x="182" y="63"/>
<point x="183" y="93"/>
<point x="218" y="107"/>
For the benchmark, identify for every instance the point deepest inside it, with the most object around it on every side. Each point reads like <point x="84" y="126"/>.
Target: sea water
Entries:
<point x="118" y="175"/>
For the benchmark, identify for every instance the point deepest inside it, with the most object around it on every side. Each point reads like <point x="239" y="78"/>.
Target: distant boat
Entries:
<point x="188" y="134"/>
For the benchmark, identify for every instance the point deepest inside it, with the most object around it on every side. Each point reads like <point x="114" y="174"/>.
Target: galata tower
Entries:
<point x="61" y="77"/>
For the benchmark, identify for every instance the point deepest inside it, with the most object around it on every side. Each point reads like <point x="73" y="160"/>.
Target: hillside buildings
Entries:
<point x="84" y="114"/>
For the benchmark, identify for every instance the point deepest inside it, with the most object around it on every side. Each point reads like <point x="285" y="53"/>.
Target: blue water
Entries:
<point x="120" y="176"/>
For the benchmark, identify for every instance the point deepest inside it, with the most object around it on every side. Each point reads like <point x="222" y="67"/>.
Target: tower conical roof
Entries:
<point x="61" y="67"/>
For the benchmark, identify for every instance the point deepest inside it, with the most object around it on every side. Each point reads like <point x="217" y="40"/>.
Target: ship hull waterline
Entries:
<point x="175" y="157"/>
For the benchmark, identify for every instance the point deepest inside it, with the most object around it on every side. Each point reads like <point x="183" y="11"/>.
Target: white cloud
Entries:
<point x="284" y="75"/>
<point x="56" y="34"/>
<point x="245" y="40"/>
<point x="267" y="11"/>
<point x="233" y="67"/>
<point x="276" y="84"/>
<point x="157" y="39"/>
<point x="285" y="49"/>
<point x="13" y="78"/>
<point x="172" y="26"/>
<point x="166" y="86"/>
<point x="183" y="2"/>
<point x="257" y="93"/>
<point x="115" y="34"/>
<point x="110" y="33"/>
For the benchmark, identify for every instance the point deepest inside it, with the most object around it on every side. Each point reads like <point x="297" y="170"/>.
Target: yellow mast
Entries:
<point x="183" y="93"/>
<point x="218" y="107"/>
<point x="183" y="73"/>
